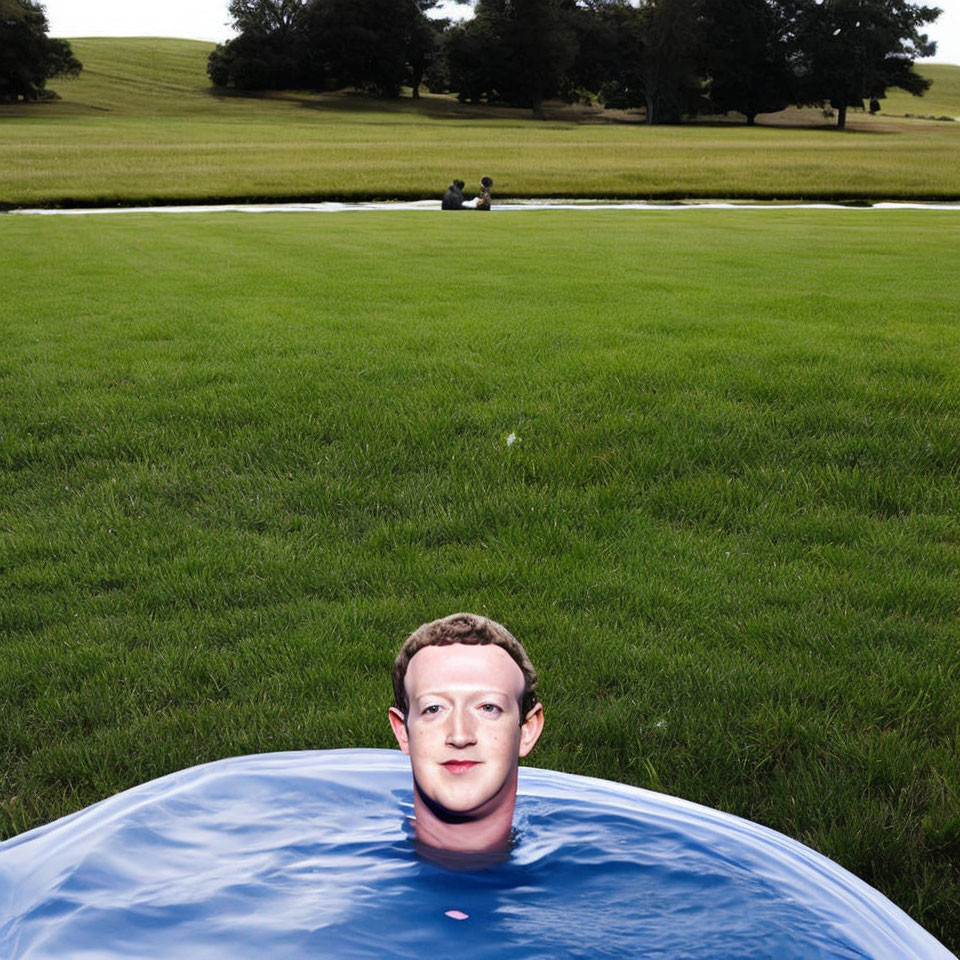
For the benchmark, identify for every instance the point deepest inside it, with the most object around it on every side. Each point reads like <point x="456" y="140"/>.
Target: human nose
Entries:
<point x="461" y="731"/>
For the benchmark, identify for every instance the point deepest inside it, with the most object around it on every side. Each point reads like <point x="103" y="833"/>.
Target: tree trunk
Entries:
<point x="841" y="118"/>
<point x="537" y="107"/>
<point x="751" y="119"/>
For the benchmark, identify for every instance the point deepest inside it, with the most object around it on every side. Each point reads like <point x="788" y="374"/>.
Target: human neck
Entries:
<point x="488" y="832"/>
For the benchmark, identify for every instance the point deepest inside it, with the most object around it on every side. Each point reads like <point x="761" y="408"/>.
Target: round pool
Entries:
<point x="310" y="855"/>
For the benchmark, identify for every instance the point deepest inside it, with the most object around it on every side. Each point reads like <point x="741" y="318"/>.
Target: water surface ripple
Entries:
<point x="305" y="855"/>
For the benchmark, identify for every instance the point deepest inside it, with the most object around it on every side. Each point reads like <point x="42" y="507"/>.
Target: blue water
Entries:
<point x="309" y="855"/>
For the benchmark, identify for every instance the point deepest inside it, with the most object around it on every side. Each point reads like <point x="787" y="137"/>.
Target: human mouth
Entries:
<point x="460" y="766"/>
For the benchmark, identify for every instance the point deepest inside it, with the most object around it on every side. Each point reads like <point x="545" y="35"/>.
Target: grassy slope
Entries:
<point x="942" y="99"/>
<point x="243" y="455"/>
<point x="136" y="77"/>
<point x="140" y="125"/>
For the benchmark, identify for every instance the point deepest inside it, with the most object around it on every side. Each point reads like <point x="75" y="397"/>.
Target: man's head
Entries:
<point x="465" y="711"/>
<point x="469" y="629"/>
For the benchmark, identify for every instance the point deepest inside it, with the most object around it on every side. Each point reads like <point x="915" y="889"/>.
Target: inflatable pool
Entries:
<point x="309" y="855"/>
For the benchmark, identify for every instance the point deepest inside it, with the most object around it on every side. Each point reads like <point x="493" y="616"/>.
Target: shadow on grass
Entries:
<point x="440" y="107"/>
<point x="447" y="107"/>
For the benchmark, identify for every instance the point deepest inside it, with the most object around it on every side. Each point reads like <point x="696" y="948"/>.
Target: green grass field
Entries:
<point x="244" y="455"/>
<point x="141" y="125"/>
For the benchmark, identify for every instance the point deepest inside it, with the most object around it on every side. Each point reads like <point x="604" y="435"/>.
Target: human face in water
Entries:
<point x="463" y="730"/>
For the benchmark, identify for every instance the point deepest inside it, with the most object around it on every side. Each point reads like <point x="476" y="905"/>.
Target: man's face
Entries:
<point x="462" y="729"/>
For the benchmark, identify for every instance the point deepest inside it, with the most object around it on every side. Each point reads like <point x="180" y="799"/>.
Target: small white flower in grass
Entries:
<point x="512" y="439"/>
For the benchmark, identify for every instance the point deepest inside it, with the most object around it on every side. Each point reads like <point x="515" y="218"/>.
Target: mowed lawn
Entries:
<point x="244" y="455"/>
<point x="141" y="124"/>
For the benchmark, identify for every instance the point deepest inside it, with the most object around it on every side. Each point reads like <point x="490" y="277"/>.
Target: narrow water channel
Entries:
<point x="506" y="206"/>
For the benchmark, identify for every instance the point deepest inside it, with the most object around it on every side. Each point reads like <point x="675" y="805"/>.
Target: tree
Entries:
<point x="610" y="41"/>
<point x="669" y="61"/>
<point x="423" y="43"/>
<point x="541" y="47"/>
<point x="476" y="60"/>
<point x="368" y="43"/>
<point x="251" y="62"/>
<point x="28" y="57"/>
<point x="266" y="18"/>
<point x="518" y="51"/>
<point x="746" y="56"/>
<point x="375" y="45"/>
<point x="268" y="53"/>
<point x="853" y="50"/>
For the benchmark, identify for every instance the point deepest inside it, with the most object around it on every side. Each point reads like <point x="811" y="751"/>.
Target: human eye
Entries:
<point x="431" y="710"/>
<point x="491" y="709"/>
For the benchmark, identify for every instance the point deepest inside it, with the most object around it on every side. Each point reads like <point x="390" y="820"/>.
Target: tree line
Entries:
<point x="28" y="57"/>
<point x="673" y="58"/>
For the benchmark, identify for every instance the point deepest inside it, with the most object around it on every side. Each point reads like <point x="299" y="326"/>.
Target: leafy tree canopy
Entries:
<point x="853" y="50"/>
<point x="368" y="43"/>
<point x="747" y="56"/>
<point x="519" y="51"/>
<point x="670" y="61"/>
<point x="28" y="57"/>
<point x="376" y="45"/>
<point x="266" y="17"/>
<point x="674" y="58"/>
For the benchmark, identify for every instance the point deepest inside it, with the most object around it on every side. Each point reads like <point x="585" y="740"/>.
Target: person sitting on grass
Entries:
<point x="453" y="197"/>
<point x="482" y="199"/>
<point x="465" y="711"/>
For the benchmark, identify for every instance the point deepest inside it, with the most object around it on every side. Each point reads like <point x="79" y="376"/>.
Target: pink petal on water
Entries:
<point x="457" y="915"/>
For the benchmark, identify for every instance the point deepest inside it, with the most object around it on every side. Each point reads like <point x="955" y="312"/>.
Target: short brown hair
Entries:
<point x="470" y="629"/>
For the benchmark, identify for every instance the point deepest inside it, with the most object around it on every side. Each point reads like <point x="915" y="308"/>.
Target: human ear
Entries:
<point x="399" y="725"/>
<point x="530" y="729"/>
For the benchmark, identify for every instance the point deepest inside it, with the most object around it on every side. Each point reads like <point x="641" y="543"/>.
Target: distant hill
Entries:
<point x="155" y="75"/>
<point x="942" y="99"/>
<point x="138" y="76"/>
<point x="160" y="76"/>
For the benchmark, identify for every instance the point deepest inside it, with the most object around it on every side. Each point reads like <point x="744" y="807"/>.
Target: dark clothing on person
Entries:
<point x="453" y="197"/>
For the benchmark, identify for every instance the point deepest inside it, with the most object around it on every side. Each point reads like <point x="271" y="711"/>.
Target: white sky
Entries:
<point x="208" y="20"/>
